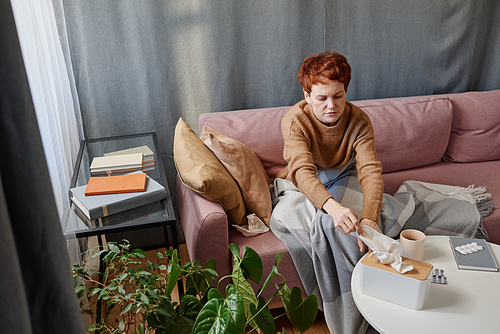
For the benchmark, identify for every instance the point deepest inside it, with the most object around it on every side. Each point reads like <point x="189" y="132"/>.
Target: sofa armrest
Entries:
<point x="206" y="229"/>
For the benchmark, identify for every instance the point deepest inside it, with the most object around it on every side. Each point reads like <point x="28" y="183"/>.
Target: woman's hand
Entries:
<point x="344" y="219"/>
<point x="373" y="225"/>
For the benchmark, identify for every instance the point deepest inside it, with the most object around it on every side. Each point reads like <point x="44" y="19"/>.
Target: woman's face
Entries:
<point x="327" y="101"/>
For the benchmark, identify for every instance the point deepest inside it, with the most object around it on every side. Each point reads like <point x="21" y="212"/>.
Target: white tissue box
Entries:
<point x="410" y="289"/>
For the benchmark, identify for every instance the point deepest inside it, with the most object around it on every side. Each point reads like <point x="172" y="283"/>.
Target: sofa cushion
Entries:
<point x="475" y="132"/>
<point x="258" y="129"/>
<point x="200" y="170"/>
<point x="245" y="167"/>
<point x="410" y="131"/>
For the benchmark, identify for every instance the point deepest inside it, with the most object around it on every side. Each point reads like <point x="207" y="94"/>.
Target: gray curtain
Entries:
<point x="36" y="290"/>
<point x="140" y="65"/>
<point x="416" y="47"/>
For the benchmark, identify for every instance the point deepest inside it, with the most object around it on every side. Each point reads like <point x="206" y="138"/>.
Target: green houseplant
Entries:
<point x="144" y="293"/>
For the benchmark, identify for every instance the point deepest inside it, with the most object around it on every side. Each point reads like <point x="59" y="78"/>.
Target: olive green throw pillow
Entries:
<point x="201" y="171"/>
<point x="245" y="167"/>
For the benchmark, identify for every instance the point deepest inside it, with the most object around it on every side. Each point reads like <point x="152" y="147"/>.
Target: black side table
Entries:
<point x="157" y="214"/>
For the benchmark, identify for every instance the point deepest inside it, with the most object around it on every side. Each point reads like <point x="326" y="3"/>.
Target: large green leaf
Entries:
<point x="235" y="250"/>
<point x="251" y="265"/>
<point x="213" y="318"/>
<point x="234" y="303"/>
<point x="245" y="290"/>
<point x="264" y="318"/>
<point x="190" y="307"/>
<point x="303" y="311"/>
<point x="175" y="273"/>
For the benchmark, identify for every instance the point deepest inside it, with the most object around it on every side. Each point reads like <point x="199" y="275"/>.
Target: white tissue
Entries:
<point x="386" y="249"/>
<point x="254" y="227"/>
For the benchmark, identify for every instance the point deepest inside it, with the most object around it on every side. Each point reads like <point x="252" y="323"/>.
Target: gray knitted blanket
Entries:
<point x="325" y="259"/>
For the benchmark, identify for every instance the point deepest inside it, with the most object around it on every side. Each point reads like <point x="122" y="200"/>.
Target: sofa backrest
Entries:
<point x="409" y="131"/>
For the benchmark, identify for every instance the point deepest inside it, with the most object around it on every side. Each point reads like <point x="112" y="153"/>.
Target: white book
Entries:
<point x="114" y="162"/>
<point x="147" y="153"/>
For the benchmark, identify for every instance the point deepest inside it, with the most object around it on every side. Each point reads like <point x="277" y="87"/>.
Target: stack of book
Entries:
<point x="104" y="196"/>
<point x="123" y="162"/>
<point x="118" y="183"/>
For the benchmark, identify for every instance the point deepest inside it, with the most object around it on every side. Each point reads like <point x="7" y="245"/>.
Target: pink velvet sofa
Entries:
<point x="450" y="139"/>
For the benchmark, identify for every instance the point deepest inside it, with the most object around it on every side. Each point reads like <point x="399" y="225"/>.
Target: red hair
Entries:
<point x="322" y="67"/>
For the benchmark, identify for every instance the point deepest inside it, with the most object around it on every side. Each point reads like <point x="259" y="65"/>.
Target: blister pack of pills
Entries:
<point x="469" y="248"/>
<point x="438" y="277"/>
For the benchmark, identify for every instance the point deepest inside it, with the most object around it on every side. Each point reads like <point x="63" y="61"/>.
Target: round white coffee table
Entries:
<point x="469" y="303"/>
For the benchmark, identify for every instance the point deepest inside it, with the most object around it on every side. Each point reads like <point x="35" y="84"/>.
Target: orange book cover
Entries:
<point x="116" y="184"/>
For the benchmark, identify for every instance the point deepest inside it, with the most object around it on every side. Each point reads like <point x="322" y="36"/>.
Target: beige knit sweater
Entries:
<point x="312" y="145"/>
